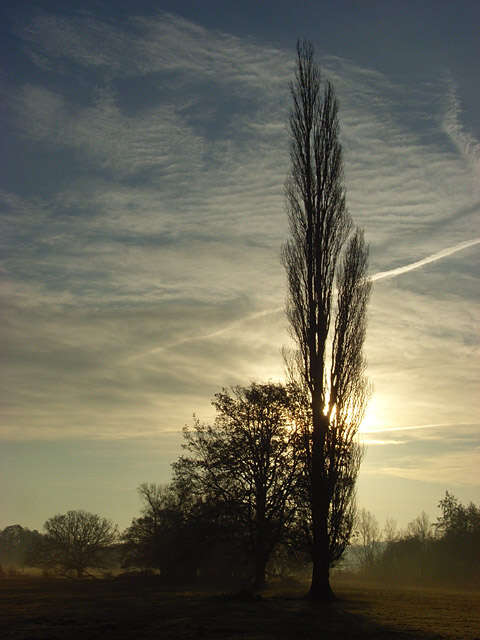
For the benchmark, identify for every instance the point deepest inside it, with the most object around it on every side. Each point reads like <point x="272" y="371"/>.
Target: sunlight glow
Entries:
<point x="371" y="420"/>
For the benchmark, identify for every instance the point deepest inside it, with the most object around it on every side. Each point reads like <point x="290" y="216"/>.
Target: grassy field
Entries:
<point x="49" y="609"/>
<point x="434" y="611"/>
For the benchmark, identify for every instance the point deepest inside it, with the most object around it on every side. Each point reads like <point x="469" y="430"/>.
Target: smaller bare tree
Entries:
<point x="369" y="534"/>
<point x="75" y="541"/>
<point x="390" y="531"/>
<point x="420" y="528"/>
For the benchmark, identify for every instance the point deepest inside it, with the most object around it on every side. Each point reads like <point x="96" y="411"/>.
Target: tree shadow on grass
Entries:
<point x="109" y="609"/>
<point x="299" y="618"/>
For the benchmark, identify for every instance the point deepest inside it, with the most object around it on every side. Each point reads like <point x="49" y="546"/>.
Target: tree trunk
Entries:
<point x="261" y="554"/>
<point x="260" y="570"/>
<point x="320" y="589"/>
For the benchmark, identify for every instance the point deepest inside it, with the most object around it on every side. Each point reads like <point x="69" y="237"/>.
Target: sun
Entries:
<point x="370" y="421"/>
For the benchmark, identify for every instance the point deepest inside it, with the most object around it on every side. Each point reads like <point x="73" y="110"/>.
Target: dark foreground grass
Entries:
<point x="439" y="611"/>
<point x="48" y="609"/>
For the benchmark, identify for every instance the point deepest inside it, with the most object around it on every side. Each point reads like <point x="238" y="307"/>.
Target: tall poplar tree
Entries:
<point x="326" y="261"/>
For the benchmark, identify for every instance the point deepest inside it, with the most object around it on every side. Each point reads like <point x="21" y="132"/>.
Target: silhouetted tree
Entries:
<point x="459" y="531"/>
<point x="75" y="541"/>
<point x="175" y="532"/>
<point x="457" y="519"/>
<point x="328" y="291"/>
<point x="150" y="539"/>
<point x="16" y="544"/>
<point x="247" y="462"/>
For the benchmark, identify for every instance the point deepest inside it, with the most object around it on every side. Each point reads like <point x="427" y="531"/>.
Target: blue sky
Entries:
<point x="144" y="151"/>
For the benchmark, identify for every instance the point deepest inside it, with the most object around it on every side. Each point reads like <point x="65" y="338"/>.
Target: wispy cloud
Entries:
<point x="467" y="145"/>
<point x="453" y="448"/>
<point x="158" y="139"/>
<point x="420" y="427"/>
<point x="158" y="43"/>
<point x="147" y="275"/>
<point x="376" y="442"/>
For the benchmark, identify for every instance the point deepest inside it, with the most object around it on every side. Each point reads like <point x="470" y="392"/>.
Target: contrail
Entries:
<point x="207" y="336"/>
<point x="219" y="332"/>
<point x="382" y="275"/>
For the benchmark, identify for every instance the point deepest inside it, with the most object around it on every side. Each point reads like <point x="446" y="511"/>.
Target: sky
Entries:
<point x="144" y="150"/>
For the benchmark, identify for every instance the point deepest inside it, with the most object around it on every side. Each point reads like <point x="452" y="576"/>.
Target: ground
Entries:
<point x="54" y="609"/>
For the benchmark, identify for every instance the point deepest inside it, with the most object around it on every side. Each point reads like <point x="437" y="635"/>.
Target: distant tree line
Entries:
<point x="446" y="551"/>
<point x="236" y="512"/>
